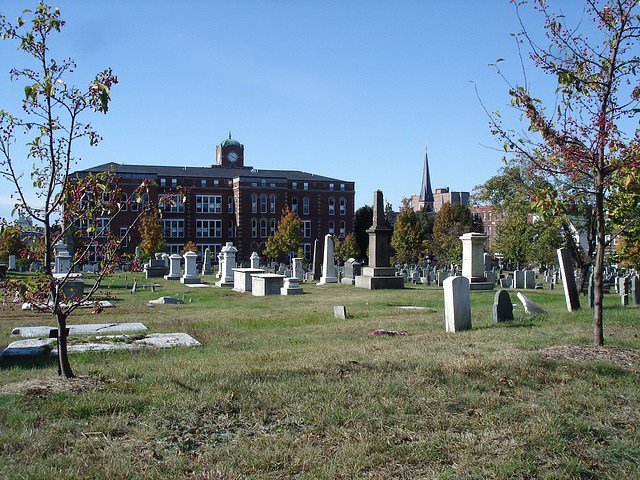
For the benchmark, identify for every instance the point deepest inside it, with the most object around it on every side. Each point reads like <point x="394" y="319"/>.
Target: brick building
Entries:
<point x="231" y="202"/>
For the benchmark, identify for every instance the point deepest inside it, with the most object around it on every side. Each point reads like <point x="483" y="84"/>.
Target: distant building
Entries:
<point x="432" y="202"/>
<point x="231" y="202"/>
<point x="490" y="218"/>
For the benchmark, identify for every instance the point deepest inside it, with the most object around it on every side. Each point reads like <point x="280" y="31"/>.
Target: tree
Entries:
<point x="623" y="206"/>
<point x="363" y="221"/>
<point x="288" y="236"/>
<point x="581" y="143"/>
<point x="451" y="222"/>
<point x="409" y="238"/>
<point x="11" y="243"/>
<point x="53" y="112"/>
<point x="151" y="231"/>
<point x="347" y="248"/>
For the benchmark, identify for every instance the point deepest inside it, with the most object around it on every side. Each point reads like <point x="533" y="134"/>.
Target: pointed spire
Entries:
<point x="426" y="194"/>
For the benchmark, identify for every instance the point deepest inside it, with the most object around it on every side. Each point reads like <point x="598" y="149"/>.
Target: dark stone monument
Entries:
<point x="591" y="295"/>
<point x="502" y="307"/>
<point x="379" y="273"/>
<point x="634" y="291"/>
<point x="568" y="280"/>
<point x="316" y="267"/>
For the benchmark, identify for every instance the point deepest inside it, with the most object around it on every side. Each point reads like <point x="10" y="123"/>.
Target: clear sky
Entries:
<point x="349" y="89"/>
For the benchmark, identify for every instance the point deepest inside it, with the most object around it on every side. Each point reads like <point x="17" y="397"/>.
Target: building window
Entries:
<point x="305" y="206"/>
<point x="145" y="200"/>
<point x="331" y="186"/>
<point x="254" y="203"/>
<point x="123" y="236"/>
<point x="272" y="204"/>
<point x="203" y="182"/>
<point x="263" y="182"/>
<point x="343" y="206"/>
<point x="134" y="204"/>
<point x="272" y="227"/>
<point x="174" y="248"/>
<point x="306" y="228"/>
<point x="305" y="186"/>
<point x="174" y="182"/>
<point x="231" y="231"/>
<point x="173" y="228"/>
<point x="254" y="228"/>
<point x="102" y="227"/>
<point x="172" y="204"/>
<point x="216" y="183"/>
<point x="306" y="248"/>
<point x="263" y="228"/>
<point x="332" y="229"/>
<point x="332" y="206"/>
<point x="163" y="182"/>
<point x="294" y="185"/>
<point x="263" y="203"/>
<point x="343" y="229"/>
<point x="208" y="228"/>
<point x="208" y="204"/>
<point x="123" y="202"/>
<point x="294" y="205"/>
<point x="342" y="187"/>
<point x="230" y="204"/>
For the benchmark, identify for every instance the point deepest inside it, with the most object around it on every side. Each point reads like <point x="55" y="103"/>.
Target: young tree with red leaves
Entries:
<point x="583" y="144"/>
<point x="52" y="123"/>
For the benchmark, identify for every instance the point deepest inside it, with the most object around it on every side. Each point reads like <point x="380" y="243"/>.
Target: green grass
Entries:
<point x="281" y="389"/>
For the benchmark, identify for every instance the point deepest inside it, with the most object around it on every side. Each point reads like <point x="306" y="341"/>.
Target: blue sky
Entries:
<point x="349" y="89"/>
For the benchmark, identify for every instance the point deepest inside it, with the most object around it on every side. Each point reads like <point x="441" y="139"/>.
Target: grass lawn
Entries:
<point x="281" y="389"/>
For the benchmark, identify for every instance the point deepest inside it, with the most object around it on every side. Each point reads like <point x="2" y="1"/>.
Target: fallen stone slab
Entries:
<point x="529" y="306"/>
<point x="104" y="343"/>
<point x="409" y="307"/>
<point x="166" y="301"/>
<point x="87" y="304"/>
<point x="84" y="329"/>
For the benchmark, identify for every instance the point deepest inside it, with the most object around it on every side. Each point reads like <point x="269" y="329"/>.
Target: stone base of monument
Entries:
<point x="224" y="284"/>
<point x="347" y="280"/>
<point x="291" y="287"/>
<point x="190" y="279"/>
<point x="480" y="284"/>
<point x="379" y="278"/>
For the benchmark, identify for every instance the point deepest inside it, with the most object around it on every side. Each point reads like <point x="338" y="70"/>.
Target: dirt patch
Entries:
<point x="624" y="357"/>
<point x="43" y="386"/>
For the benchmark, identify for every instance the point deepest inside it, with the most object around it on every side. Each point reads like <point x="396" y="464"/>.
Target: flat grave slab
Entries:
<point x="104" y="343"/>
<point x="85" y="329"/>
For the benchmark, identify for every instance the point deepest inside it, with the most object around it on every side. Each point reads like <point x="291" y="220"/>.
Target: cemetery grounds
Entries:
<point x="282" y="389"/>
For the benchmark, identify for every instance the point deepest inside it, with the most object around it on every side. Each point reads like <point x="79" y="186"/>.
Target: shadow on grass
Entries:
<point x="28" y="362"/>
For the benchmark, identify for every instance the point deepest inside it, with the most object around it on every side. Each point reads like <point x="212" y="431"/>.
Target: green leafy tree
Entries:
<point x="52" y="123"/>
<point x="623" y="207"/>
<point x="347" y="248"/>
<point x="288" y="237"/>
<point x="582" y="142"/>
<point x="515" y="237"/>
<point x="409" y="238"/>
<point x="151" y="232"/>
<point x="451" y="222"/>
<point x="11" y="243"/>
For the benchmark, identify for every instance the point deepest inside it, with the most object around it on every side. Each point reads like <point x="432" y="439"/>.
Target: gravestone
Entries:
<point x="328" y="263"/>
<point x="291" y="287"/>
<point x="62" y="263"/>
<point x="487" y="262"/>
<point x="190" y="269"/>
<point x="264" y="284"/>
<point x="316" y="269"/>
<point x="518" y="279"/>
<point x="155" y="269"/>
<point x="352" y="268"/>
<point x="228" y="264"/>
<point x="442" y="276"/>
<point x="457" y="304"/>
<point x="174" y="267"/>
<point x="379" y="273"/>
<point x="207" y="268"/>
<point x="297" y="268"/>
<point x="634" y="291"/>
<point x="254" y="260"/>
<point x="340" y="312"/>
<point x="568" y="280"/>
<point x="623" y="287"/>
<point x="12" y="262"/>
<point x="473" y="261"/>
<point x="502" y="307"/>
<point x="529" y="279"/>
<point x="591" y="291"/>
<point x="529" y="306"/>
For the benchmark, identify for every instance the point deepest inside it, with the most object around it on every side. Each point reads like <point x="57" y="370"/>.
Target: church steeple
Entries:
<point x="426" y="194"/>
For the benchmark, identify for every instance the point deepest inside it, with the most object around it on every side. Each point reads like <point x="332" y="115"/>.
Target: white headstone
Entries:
<point x="174" y="267"/>
<point x="297" y="268"/>
<point x="190" y="268"/>
<point x="227" y="264"/>
<point x="328" y="262"/>
<point x="206" y="262"/>
<point x="457" y="304"/>
<point x="12" y="262"/>
<point x="255" y="260"/>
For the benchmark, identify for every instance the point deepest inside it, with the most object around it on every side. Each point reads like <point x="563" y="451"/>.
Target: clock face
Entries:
<point x="233" y="156"/>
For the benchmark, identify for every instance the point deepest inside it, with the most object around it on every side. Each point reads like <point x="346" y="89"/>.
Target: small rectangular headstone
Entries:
<point x="457" y="304"/>
<point x="340" y="312"/>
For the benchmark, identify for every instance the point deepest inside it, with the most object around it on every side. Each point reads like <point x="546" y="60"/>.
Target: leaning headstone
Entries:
<point x="591" y="295"/>
<point x="529" y="306"/>
<point x="340" y="312"/>
<point x="328" y="263"/>
<point x="568" y="280"/>
<point x="457" y="304"/>
<point x="502" y="307"/>
<point x="174" y="267"/>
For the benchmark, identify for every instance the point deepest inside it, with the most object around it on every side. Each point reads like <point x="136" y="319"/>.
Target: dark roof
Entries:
<point x="214" y="171"/>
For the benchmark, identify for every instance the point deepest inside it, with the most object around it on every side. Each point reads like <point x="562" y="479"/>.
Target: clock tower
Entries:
<point x="230" y="153"/>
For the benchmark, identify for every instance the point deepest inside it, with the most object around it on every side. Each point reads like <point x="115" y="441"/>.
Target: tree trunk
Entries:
<point x="64" y="367"/>
<point x="598" y="335"/>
